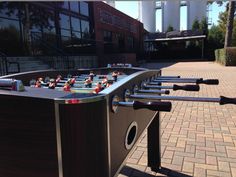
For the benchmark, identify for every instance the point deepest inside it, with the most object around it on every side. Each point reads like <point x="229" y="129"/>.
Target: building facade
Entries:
<point x="70" y="28"/>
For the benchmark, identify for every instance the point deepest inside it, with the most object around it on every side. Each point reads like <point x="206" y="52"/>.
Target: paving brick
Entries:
<point x="211" y="160"/>
<point x="218" y="173"/>
<point x="224" y="166"/>
<point x="188" y="167"/>
<point x="198" y="139"/>
<point x="201" y="172"/>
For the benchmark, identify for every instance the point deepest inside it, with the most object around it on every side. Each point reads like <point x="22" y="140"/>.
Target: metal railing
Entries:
<point x="58" y="59"/>
<point x="5" y="65"/>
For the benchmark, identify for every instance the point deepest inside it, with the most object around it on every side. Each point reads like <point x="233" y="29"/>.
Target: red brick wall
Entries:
<point x="99" y="26"/>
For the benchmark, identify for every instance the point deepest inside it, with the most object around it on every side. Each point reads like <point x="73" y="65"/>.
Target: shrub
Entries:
<point x="226" y="56"/>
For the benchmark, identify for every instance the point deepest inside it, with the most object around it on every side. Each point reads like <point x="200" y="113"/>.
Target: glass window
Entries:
<point x="65" y="5"/>
<point x="76" y="34"/>
<point x="65" y="33"/>
<point x="74" y="6"/>
<point x="107" y="36"/>
<point x="10" y="42"/>
<point x="84" y="26"/>
<point x="64" y="21"/>
<point x="130" y="42"/>
<point x="84" y="8"/>
<point x="75" y="24"/>
<point x="7" y="11"/>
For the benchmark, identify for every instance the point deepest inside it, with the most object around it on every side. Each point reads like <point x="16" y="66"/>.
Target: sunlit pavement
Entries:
<point x="197" y="139"/>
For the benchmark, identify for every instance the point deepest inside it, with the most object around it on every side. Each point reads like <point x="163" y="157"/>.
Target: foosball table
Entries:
<point x="60" y="123"/>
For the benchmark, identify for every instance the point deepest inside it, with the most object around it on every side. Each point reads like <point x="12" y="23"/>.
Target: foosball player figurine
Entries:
<point x="91" y="75"/>
<point x="88" y="83"/>
<point x="38" y="84"/>
<point x="104" y="82"/>
<point x="115" y="75"/>
<point x="58" y="79"/>
<point x="109" y="83"/>
<point x="52" y="84"/>
<point x="98" y="88"/>
<point x="47" y="80"/>
<point x="67" y="86"/>
<point x="72" y="81"/>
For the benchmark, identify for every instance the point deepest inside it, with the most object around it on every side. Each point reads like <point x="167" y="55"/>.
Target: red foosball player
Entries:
<point x="88" y="83"/>
<point x="52" y="84"/>
<point x="115" y="75"/>
<point x="58" y="79"/>
<point x="38" y="84"/>
<point x="72" y="81"/>
<point x="98" y="88"/>
<point x="109" y="83"/>
<point x="67" y="86"/>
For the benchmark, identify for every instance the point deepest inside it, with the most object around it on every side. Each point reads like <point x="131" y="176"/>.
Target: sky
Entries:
<point x="131" y="8"/>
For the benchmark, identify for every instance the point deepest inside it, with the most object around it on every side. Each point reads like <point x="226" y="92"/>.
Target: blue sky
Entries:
<point x="131" y="9"/>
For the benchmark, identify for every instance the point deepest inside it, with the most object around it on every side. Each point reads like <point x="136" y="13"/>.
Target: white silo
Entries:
<point x="171" y="14"/>
<point x="196" y="10"/>
<point x="147" y="14"/>
<point x="111" y="3"/>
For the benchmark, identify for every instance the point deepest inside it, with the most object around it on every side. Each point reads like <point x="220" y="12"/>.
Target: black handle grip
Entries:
<point x="154" y="106"/>
<point x="226" y="100"/>
<point x="186" y="87"/>
<point x="167" y="92"/>
<point x="208" y="81"/>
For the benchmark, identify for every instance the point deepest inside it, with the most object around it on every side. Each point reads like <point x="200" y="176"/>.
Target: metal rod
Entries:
<point x="174" y="81"/>
<point x="121" y="103"/>
<point x="166" y="77"/>
<point x="178" y="98"/>
<point x="154" y="91"/>
<point x="158" y="87"/>
<point x="183" y="78"/>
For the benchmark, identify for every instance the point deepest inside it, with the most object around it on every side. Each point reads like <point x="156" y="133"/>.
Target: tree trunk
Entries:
<point x="230" y="22"/>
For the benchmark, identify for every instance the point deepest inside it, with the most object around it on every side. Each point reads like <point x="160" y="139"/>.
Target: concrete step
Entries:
<point x="28" y="64"/>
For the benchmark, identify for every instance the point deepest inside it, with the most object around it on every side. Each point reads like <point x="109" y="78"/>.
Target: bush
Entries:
<point x="226" y="56"/>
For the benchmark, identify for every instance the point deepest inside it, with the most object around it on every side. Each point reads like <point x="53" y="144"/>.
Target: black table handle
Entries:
<point x="186" y="87"/>
<point x="154" y="106"/>
<point x="226" y="100"/>
<point x="208" y="81"/>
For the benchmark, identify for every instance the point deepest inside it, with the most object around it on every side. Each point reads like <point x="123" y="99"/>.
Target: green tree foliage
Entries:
<point x="30" y="15"/>
<point x="216" y="37"/>
<point x="170" y="28"/>
<point x="222" y="22"/>
<point x="195" y="25"/>
<point x="203" y="26"/>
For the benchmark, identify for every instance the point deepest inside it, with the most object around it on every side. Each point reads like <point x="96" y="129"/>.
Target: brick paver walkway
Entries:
<point x="198" y="139"/>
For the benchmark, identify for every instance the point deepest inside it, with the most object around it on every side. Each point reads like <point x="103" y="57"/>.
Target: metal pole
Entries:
<point x="177" y="98"/>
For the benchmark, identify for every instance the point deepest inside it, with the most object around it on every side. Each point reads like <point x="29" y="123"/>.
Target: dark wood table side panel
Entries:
<point x="120" y="121"/>
<point x="84" y="139"/>
<point x="27" y="137"/>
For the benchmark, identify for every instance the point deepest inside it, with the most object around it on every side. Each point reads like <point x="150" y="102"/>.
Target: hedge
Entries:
<point x="226" y="56"/>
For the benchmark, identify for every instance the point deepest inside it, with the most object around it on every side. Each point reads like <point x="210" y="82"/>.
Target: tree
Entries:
<point x="195" y="25"/>
<point x="170" y="28"/>
<point x="30" y="15"/>
<point x="230" y="23"/>
<point x="203" y="26"/>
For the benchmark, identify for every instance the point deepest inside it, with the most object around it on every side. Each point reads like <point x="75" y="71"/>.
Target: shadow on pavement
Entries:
<point x="132" y="172"/>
